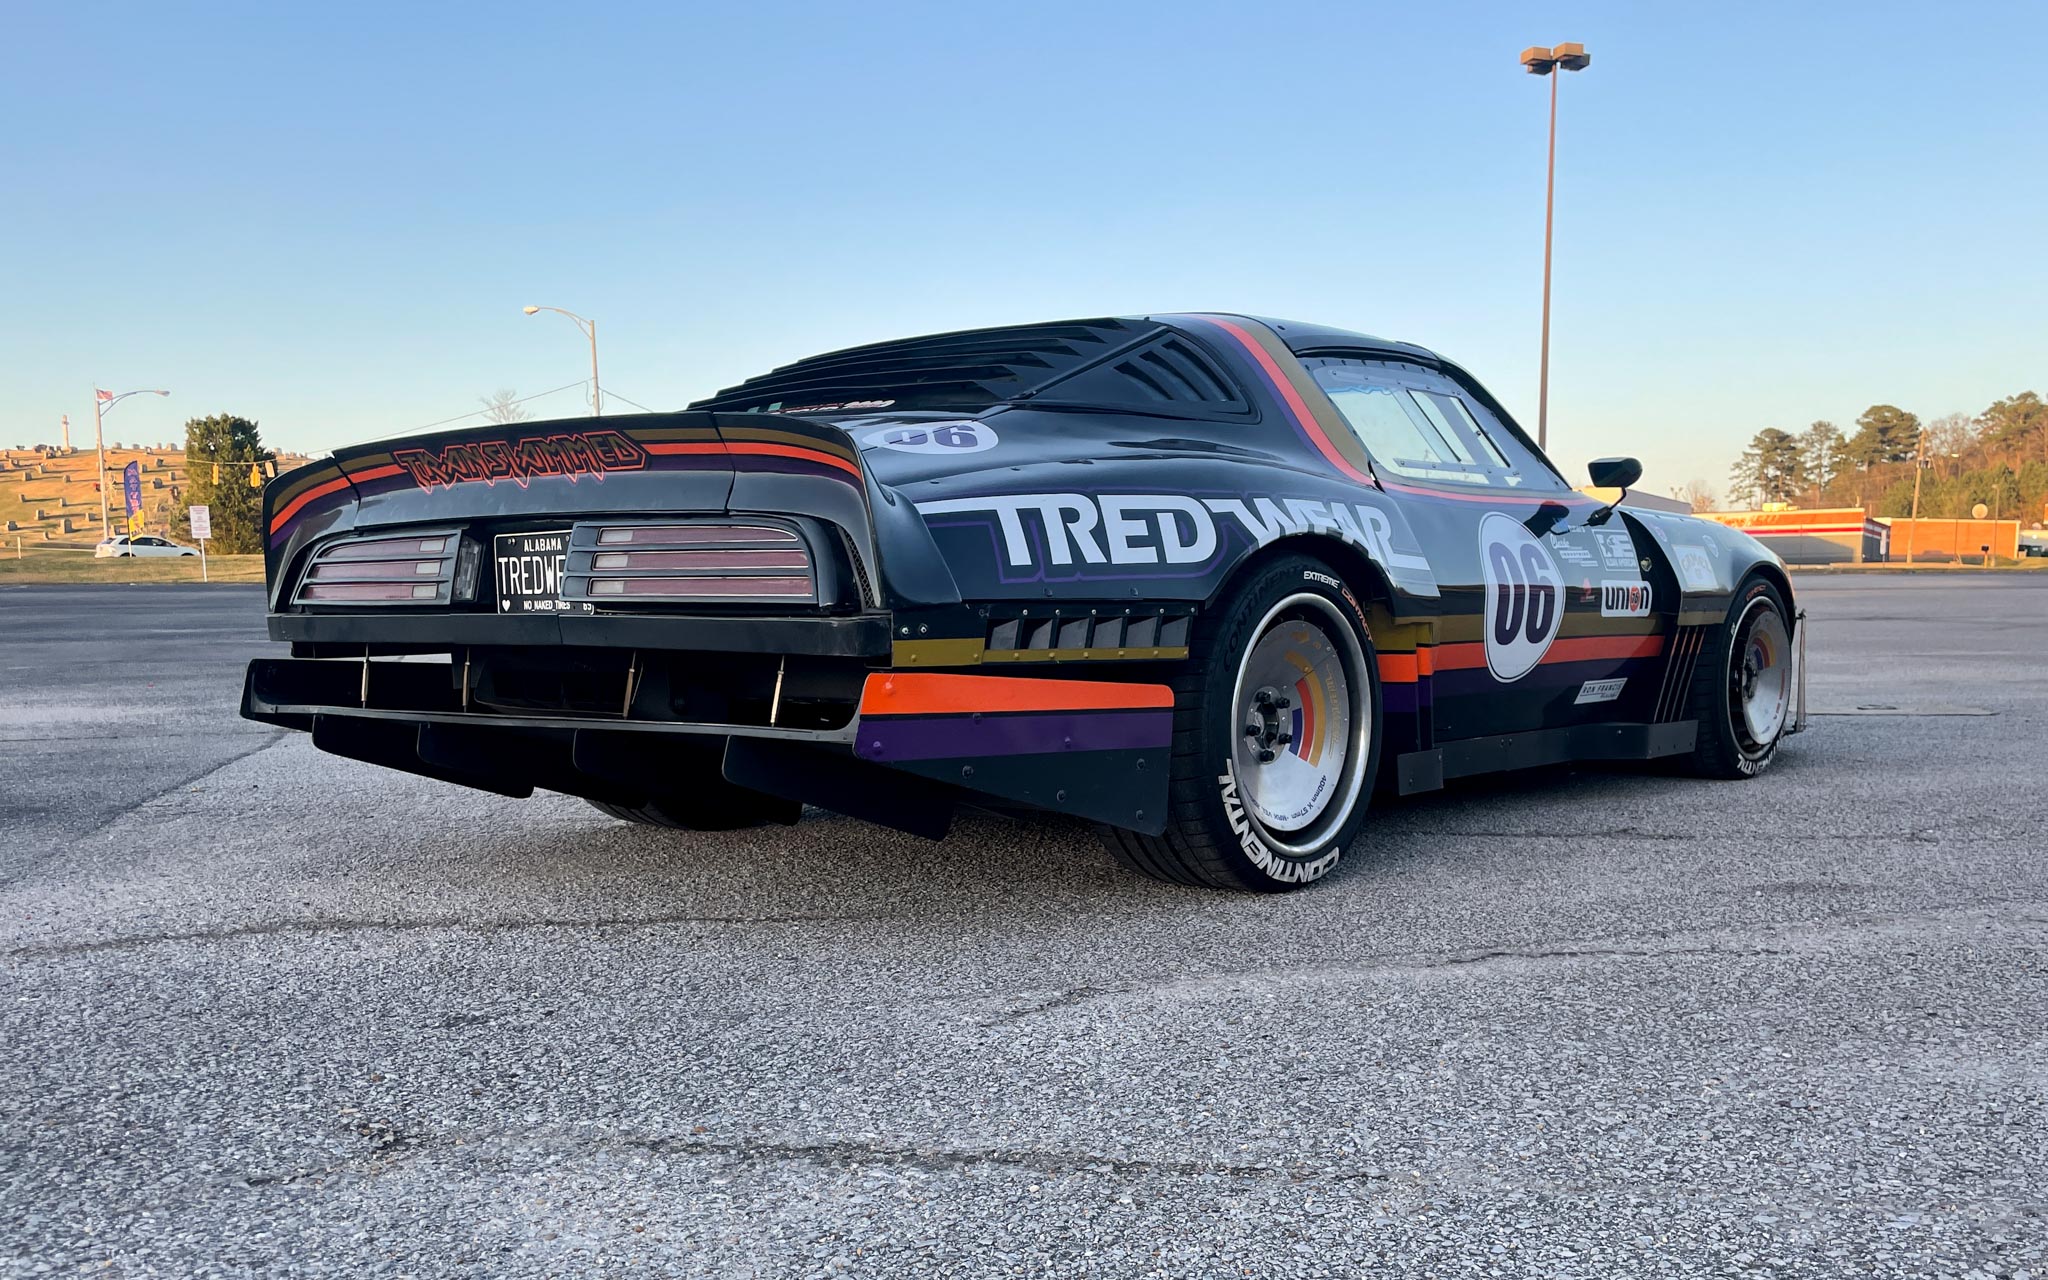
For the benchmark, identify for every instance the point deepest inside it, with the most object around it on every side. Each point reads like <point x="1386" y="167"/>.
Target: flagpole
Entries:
<point x="99" y="442"/>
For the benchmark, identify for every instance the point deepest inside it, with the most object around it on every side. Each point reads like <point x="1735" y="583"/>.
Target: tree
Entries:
<point x="1697" y="493"/>
<point x="2017" y="423"/>
<point x="236" y="505"/>
<point x="502" y="407"/>
<point x="1822" y="455"/>
<point x="1768" y="470"/>
<point x="1884" y="433"/>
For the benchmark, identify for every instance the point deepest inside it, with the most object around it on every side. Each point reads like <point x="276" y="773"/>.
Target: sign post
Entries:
<point x="202" y="529"/>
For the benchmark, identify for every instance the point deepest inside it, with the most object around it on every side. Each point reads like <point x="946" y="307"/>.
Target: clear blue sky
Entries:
<point x="326" y="217"/>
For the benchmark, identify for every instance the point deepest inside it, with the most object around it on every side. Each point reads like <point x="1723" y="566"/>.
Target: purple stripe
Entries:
<point x="952" y="737"/>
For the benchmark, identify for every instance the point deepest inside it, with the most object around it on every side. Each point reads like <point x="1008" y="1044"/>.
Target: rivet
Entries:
<point x="1060" y="796"/>
<point x="967" y="771"/>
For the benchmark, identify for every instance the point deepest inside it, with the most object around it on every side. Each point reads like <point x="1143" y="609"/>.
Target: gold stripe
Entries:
<point x="969" y="653"/>
<point x="937" y="653"/>
<point x="1173" y="652"/>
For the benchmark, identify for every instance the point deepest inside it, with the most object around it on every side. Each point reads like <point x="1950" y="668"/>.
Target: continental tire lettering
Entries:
<point x="1269" y="863"/>
<point x="567" y="454"/>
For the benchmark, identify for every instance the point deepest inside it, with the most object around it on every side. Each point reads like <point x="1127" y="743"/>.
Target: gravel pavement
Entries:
<point x="266" y="1012"/>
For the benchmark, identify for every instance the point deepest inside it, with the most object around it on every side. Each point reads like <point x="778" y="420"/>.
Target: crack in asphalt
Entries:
<point x="338" y="926"/>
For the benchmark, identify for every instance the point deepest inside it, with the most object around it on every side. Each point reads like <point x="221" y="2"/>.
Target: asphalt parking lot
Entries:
<point x="268" y="1012"/>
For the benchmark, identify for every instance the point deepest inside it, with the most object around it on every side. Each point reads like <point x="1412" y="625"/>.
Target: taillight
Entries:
<point x="382" y="569"/>
<point x="673" y="563"/>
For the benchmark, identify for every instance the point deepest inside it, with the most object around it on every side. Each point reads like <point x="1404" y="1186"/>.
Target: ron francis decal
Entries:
<point x="1624" y="599"/>
<point x="947" y="439"/>
<point x="1599" y="691"/>
<point x="568" y="454"/>
<point x="1524" y="597"/>
<point x="1163" y="528"/>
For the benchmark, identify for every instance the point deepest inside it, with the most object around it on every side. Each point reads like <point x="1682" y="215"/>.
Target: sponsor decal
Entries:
<point x="1599" y="691"/>
<point x="1524" y="597"/>
<point x="1624" y="599"/>
<point x="944" y="438"/>
<point x="568" y="454"/>
<point x="1617" y="549"/>
<point x="1695" y="567"/>
<point x="1138" y="529"/>
<point x="1285" y="870"/>
<point x="844" y="406"/>
<point x="1572" y="553"/>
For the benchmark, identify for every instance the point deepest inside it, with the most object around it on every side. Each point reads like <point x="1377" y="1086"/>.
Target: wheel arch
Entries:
<point x="1358" y="570"/>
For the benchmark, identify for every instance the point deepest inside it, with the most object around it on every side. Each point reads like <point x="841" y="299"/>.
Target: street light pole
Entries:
<point x="101" y="402"/>
<point x="1548" y="62"/>
<point x="589" y="328"/>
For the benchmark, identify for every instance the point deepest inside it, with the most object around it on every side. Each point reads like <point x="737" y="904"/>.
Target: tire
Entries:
<point x="1742" y="694"/>
<point x="716" y="806"/>
<point x="1232" y="824"/>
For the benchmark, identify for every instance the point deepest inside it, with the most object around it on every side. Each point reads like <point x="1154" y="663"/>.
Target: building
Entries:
<point x="1827" y="535"/>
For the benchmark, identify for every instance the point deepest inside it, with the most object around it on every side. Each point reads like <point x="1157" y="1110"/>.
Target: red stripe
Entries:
<point x="903" y="693"/>
<point x="1294" y="401"/>
<point x="291" y="509"/>
<point x="376" y="473"/>
<point x="769" y="450"/>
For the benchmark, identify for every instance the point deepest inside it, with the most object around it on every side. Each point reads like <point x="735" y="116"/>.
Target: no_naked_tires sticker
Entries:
<point x="1524" y="597"/>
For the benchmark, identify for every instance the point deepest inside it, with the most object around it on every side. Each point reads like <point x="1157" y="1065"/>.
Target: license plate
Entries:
<point x="530" y="573"/>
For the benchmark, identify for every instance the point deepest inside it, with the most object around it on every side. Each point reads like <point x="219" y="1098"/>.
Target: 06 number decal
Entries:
<point x="1524" y="597"/>
<point x="934" y="437"/>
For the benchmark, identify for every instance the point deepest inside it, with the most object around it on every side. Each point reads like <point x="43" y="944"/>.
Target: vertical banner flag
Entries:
<point x="131" y="484"/>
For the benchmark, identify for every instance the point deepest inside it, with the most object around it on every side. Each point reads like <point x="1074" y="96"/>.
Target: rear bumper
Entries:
<point x="860" y="636"/>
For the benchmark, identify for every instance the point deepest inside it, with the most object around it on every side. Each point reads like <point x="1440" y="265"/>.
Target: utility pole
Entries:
<point x="1919" y="470"/>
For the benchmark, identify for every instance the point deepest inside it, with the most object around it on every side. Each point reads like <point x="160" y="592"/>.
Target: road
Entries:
<point x="267" y="1012"/>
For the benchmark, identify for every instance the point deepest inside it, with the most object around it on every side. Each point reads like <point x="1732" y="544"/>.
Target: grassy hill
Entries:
<point x="51" y="516"/>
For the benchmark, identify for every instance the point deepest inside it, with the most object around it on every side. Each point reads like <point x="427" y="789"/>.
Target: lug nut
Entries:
<point x="1283" y="703"/>
<point x="1252" y="731"/>
<point x="1265" y="756"/>
<point x="1284" y="739"/>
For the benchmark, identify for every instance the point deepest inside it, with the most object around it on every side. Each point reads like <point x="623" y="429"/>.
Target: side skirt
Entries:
<point x="1589" y="743"/>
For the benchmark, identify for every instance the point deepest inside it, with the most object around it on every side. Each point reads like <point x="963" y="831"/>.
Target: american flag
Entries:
<point x="103" y="395"/>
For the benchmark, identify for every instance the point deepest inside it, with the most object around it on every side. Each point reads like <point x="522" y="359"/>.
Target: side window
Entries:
<point x="1417" y="424"/>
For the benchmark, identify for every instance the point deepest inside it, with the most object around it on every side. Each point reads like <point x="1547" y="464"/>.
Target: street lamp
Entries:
<point x="589" y="328"/>
<point x="1548" y="62"/>
<point x="101" y="402"/>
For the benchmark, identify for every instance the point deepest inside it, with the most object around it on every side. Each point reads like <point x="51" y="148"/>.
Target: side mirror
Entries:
<point x="1614" y="473"/>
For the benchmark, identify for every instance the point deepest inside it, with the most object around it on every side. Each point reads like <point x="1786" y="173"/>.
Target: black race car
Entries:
<point x="1207" y="580"/>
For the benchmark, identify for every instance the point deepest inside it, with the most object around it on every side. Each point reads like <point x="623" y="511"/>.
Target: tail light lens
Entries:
<point x="414" y="569"/>
<point x="683" y="563"/>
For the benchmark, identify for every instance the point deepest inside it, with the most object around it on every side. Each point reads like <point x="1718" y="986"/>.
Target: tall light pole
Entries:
<point x="1919" y="470"/>
<point x="101" y="402"/>
<point x="589" y="328"/>
<point x="1548" y="62"/>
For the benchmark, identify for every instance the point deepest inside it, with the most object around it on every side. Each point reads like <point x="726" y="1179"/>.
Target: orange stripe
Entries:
<point x="1460" y="657"/>
<point x="1463" y="657"/>
<point x="904" y="693"/>
<point x="291" y="509"/>
<point x="1425" y="661"/>
<point x="1399" y="668"/>
<point x="771" y="450"/>
<point x="376" y="473"/>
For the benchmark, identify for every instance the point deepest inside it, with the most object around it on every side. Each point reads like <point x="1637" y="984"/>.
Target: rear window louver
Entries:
<point x="969" y="370"/>
<point x="1167" y="372"/>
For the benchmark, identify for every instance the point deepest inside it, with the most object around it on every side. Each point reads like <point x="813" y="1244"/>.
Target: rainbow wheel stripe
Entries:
<point x="1311" y="711"/>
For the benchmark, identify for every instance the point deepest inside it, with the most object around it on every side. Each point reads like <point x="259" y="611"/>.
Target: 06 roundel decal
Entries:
<point x="944" y="438"/>
<point x="1524" y="597"/>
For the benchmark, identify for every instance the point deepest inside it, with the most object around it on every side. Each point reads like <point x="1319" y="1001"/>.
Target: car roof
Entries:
<point x="1302" y="339"/>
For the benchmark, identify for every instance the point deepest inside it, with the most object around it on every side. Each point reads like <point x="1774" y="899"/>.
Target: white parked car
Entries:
<point x="141" y="545"/>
